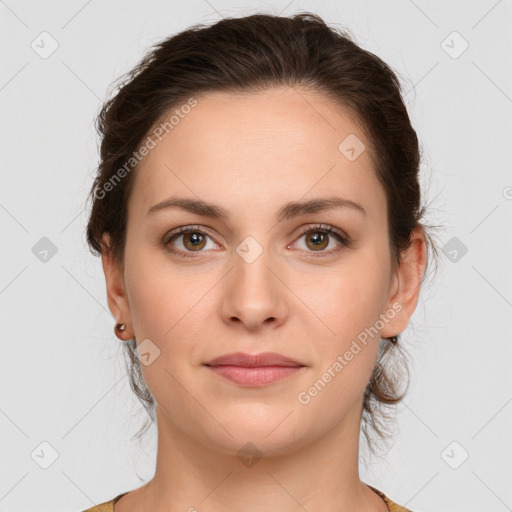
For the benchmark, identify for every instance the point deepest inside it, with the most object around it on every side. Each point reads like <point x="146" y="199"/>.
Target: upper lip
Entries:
<point x="254" y="360"/>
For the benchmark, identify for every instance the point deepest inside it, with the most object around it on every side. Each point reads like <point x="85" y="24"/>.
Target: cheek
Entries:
<point x="344" y="301"/>
<point x="172" y="309"/>
<point x="345" y="341"/>
<point x="169" y="310"/>
<point x="347" y="304"/>
<point x="158" y="297"/>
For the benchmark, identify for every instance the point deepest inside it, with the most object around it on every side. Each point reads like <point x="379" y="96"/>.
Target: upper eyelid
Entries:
<point x="203" y="229"/>
<point x="186" y="229"/>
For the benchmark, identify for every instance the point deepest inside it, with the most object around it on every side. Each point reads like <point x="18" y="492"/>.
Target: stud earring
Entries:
<point x="119" y="329"/>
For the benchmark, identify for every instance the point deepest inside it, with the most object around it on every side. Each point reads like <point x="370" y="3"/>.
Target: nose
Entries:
<point x="254" y="295"/>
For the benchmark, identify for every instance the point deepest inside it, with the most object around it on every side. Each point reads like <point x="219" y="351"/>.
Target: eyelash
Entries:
<point x="344" y="240"/>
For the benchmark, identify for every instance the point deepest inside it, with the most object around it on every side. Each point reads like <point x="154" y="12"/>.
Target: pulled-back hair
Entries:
<point x="249" y="55"/>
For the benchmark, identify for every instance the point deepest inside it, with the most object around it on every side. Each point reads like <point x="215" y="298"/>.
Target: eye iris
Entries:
<point x="318" y="239"/>
<point x="198" y="241"/>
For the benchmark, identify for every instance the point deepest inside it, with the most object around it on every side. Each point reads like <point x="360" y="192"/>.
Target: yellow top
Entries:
<point x="108" y="506"/>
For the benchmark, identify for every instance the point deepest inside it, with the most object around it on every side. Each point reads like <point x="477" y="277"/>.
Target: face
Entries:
<point x="271" y="266"/>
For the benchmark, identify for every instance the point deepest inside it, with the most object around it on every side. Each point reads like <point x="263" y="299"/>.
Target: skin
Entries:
<point x="250" y="154"/>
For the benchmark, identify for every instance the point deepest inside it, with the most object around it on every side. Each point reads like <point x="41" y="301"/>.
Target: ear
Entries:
<point x="116" y="293"/>
<point x="406" y="283"/>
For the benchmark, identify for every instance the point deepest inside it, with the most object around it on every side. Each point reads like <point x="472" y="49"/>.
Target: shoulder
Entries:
<point x="107" y="506"/>
<point x="392" y="506"/>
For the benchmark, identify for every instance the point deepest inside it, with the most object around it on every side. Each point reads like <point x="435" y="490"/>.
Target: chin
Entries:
<point x="265" y="436"/>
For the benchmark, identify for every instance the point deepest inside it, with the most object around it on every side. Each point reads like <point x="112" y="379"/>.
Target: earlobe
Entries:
<point x="407" y="284"/>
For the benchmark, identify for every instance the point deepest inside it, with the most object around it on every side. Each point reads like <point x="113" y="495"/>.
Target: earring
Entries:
<point x="393" y="340"/>
<point x="120" y="328"/>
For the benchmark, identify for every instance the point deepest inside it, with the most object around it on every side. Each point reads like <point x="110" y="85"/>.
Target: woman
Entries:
<point x="257" y="211"/>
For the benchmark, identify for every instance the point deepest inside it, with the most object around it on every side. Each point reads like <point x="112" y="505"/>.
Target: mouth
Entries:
<point x="254" y="370"/>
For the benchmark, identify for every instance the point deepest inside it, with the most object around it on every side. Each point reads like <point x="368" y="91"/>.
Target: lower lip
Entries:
<point x="254" y="376"/>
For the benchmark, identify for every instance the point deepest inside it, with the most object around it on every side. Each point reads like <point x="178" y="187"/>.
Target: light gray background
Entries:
<point x="62" y="373"/>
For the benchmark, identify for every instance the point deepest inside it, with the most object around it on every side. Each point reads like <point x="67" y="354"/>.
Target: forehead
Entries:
<point x="255" y="149"/>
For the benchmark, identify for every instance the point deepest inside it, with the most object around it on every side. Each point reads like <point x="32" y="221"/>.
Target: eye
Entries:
<point x="320" y="236"/>
<point x="190" y="239"/>
<point x="193" y="239"/>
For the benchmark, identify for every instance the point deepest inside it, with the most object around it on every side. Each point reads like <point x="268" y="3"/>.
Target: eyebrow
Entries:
<point x="287" y="211"/>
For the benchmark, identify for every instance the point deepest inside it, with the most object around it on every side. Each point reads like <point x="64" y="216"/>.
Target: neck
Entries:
<point x="320" y="475"/>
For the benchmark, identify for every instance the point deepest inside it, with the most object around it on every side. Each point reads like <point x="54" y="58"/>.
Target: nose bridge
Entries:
<point x="253" y="264"/>
<point x="254" y="292"/>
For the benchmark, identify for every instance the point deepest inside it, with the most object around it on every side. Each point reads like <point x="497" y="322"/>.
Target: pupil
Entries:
<point x="318" y="237"/>
<point x="195" y="237"/>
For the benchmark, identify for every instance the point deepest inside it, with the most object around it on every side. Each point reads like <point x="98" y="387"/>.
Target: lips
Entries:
<point x="254" y="360"/>
<point x="254" y="370"/>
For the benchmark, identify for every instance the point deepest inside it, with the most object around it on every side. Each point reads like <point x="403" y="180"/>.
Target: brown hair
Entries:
<point x="251" y="54"/>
